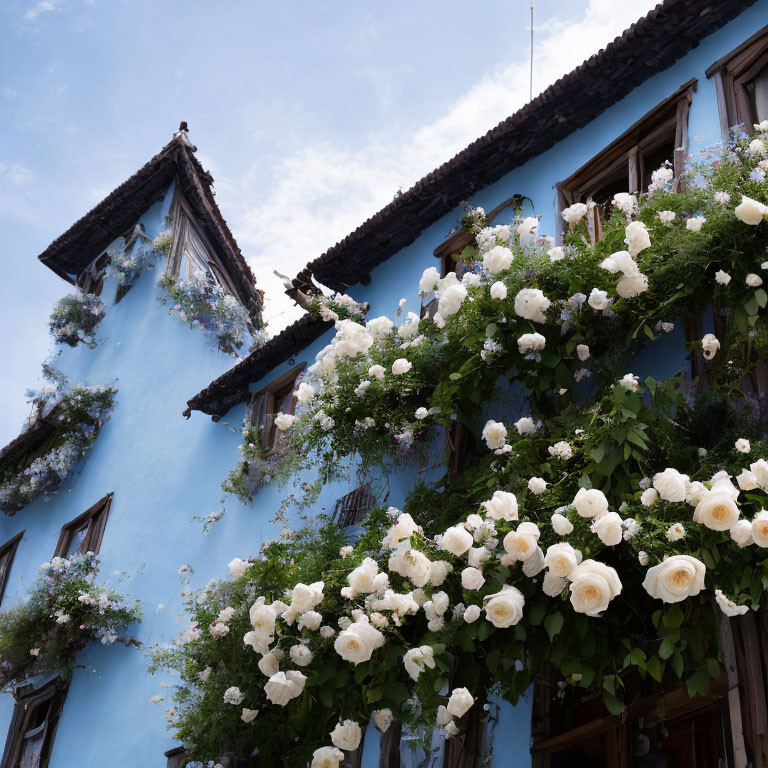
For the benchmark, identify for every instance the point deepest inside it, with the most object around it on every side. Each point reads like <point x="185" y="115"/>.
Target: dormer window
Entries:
<point x="277" y="397"/>
<point x="85" y="532"/>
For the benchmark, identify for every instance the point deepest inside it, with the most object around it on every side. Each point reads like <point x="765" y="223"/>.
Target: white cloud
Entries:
<point x="44" y="6"/>
<point x="321" y="192"/>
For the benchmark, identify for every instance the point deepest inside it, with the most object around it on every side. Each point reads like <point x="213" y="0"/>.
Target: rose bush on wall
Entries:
<point x="604" y="533"/>
<point x="75" y="318"/>
<point x="64" y="611"/>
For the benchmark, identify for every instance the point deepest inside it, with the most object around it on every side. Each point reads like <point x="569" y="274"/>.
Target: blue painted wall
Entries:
<point x="165" y="470"/>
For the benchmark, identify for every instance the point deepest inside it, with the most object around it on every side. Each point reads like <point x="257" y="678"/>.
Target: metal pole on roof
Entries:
<point x="530" y="88"/>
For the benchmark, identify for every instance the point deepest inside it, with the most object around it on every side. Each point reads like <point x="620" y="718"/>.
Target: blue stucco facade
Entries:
<point x="164" y="470"/>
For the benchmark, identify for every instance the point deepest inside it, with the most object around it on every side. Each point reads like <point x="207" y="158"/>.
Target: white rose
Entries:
<point x="537" y="485"/>
<point x="472" y="578"/>
<point x="573" y="214"/>
<point x="456" y="540"/>
<point x="269" y="664"/>
<point x="460" y="702"/>
<point x="237" y="567"/>
<point x="561" y="524"/>
<point x="553" y="585"/>
<point x="376" y="371"/>
<point x="582" y="352"/>
<point x="722" y="197"/>
<point x="695" y="492"/>
<point x="561" y="450"/>
<point x="695" y="223"/>
<point x="675" y="532"/>
<point x="403" y="529"/>
<point x="741" y="533"/>
<point x="305" y="393"/>
<point x="760" y="528"/>
<point x="504" y="608"/>
<point x="502" y="506"/>
<point x="248" y="715"/>
<point x="382" y="719"/>
<point x="670" y="484"/>
<point x="750" y="211"/>
<point x="743" y="446"/>
<point x="531" y="304"/>
<point x="346" y="735"/>
<point x="401" y="366"/>
<point x="284" y="421"/>
<point x="497" y="260"/>
<point x="593" y="586"/>
<point x="361" y="578"/>
<point x="498" y="291"/>
<point x="304" y="597"/>
<point x="451" y="299"/>
<point x="716" y="510"/>
<point x="590" y="502"/>
<point x="759" y="469"/>
<point x="747" y="480"/>
<point x="598" y="299"/>
<point x="472" y="613"/>
<point x="557" y="253"/>
<point x="525" y="426"/>
<point x="642" y="558"/>
<point x="421" y="413"/>
<point x="710" y="346"/>
<point x="636" y="237"/>
<point x="756" y="148"/>
<point x="438" y="571"/>
<point x="284" y="686"/>
<point x="753" y="280"/>
<point x="233" y="695"/>
<point x="416" y="659"/>
<point x="675" y="578"/>
<point x="327" y="757"/>
<point x="632" y="285"/>
<point x="667" y="216"/>
<point x="727" y="606"/>
<point x="521" y="543"/>
<point x="608" y="528"/>
<point x="630" y="382"/>
<point x="358" y="642"/>
<point x="494" y="434"/>
<point x="561" y="559"/>
<point x="529" y="342"/>
<point x="625" y="202"/>
<point x="300" y="655"/>
<point x="723" y="278"/>
<point x="428" y="281"/>
<point x="649" y="497"/>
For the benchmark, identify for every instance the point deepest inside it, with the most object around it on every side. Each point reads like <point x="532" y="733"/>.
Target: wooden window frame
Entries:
<point x="651" y="132"/>
<point x="8" y="550"/>
<point x="27" y="700"/>
<point x="176" y="757"/>
<point x="353" y="507"/>
<point x="91" y="279"/>
<point x="732" y="75"/>
<point x="459" y="441"/>
<point x="261" y="409"/>
<point x="96" y="517"/>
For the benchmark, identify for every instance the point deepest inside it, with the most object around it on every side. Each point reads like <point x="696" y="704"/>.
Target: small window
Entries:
<point x="278" y="397"/>
<point x="7" y="553"/>
<point x="741" y="84"/>
<point x="353" y="508"/>
<point x="33" y="725"/>
<point x="85" y="532"/>
<point x="91" y="279"/>
<point x="626" y="165"/>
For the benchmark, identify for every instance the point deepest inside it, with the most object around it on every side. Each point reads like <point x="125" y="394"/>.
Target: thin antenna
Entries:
<point x="530" y="89"/>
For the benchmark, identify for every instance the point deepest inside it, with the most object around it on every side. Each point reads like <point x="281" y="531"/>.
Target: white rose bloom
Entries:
<point x="533" y="565"/>
<point x="582" y="352"/>
<point x="649" y="497"/>
<point x="284" y="421"/>
<point x="327" y="757"/>
<point x="472" y="578"/>
<point x="522" y="542"/>
<point x="502" y="506"/>
<point x="590" y="502"/>
<point x="361" y="578"/>
<point x="760" y="528"/>
<point x="472" y="614"/>
<point x="625" y="202"/>
<point x="573" y="214"/>
<point x="382" y="719"/>
<point x="346" y="735"/>
<point x="608" y="528"/>
<point x="695" y="223"/>
<point x="470" y="278"/>
<point x="561" y="559"/>
<point x="630" y="382"/>
<point x="305" y="392"/>
<point x="284" y="686"/>
<point x="727" y="606"/>
<point x="429" y="279"/>
<point x="553" y="585"/>
<point x="642" y="558"/>
<point x="723" y="278"/>
<point x="504" y="608"/>
<point x="759" y="469"/>
<point x="497" y="260"/>
<point x="477" y="556"/>
<point x="248" y="715"/>
<point x="756" y="148"/>
<point x="219" y="630"/>
<point x="376" y="371"/>
<point x="421" y="413"/>
<point x="460" y="702"/>
<point x="300" y="655"/>
<point x="304" y="597"/>
<point x="670" y="484"/>
<point x="494" y="434"/>
<point x="309" y="620"/>
<point x="741" y="533"/>
<point x="416" y="659"/>
<point x="750" y="211"/>
<point x="531" y="304"/>
<point x="598" y="299"/>
<point x="747" y="480"/>
<point x="710" y="345"/>
<point x="717" y="510"/>
<point x="753" y="280"/>
<point x="233" y="695"/>
<point x="528" y="230"/>
<point x="593" y="586"/>
<point x="530" y="342"/>
<point x="237" y="567"/>
<point x="561" y="524"/>
<point x="411" y="328"/>
<point x="438" y="571"/>
<point x="498" y="290"/>
<point x="636" y="237"/>
<point x="358" y="642"/>
<point x="525" y="426"/>
<point x="451" y="299"/>
<point x="675" y="532"/>
<point x="557" y="253"/>
<point x="269" y="664"/>
<point x="743" y="445"/>
<point x="632" y="285"/>
<point x="456" y="540"/>
<point x="561" y="450"/>
<point x="675" y="578"/>
<point x="667" y="216"/>
<point x="537" y="485"/>
<point x="403" y="529"/>
<point x="401" y="366"/>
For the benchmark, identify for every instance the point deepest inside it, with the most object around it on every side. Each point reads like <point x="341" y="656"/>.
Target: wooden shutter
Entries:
<point x="694" y="332"/>
<point x="389" y="746"/>
<point x="257" y="413"/>
<point x="464" y="750"/>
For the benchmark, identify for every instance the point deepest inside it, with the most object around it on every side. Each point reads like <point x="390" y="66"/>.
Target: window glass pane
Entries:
<point x="76" y="542"/>
<point x="32" y="748"/>
<point x="760" y="86"/>
<point x="5" y="559"/>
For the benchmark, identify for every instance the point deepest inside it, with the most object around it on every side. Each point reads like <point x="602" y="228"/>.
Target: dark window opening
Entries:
<point x="85" y="532"/>
<point x="353" y="508"/>
<point x="7" y="553"/>
<point x="277" y="397"/>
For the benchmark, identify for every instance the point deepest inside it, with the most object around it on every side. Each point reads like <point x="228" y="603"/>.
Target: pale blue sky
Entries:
<point x="310" y="116"/>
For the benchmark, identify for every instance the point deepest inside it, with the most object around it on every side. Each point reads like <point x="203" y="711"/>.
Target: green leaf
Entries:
<point x="698" y="683"/>
<point x="484" y="630"/>
<point x="612" y="704"/>
<point x="673" y="617"/>
<point x="536" y="616"/>
<point x="667" y="648"/>
<point x="492" y="660"/>
<point x="656" y="668"/>
<point x="713" y="668"/>
<point x="439" y="684"/>
<point x="464" y="642"/>
<point x="373" y="694"/>
<point x="649" y="333"/>
<point x="761" y="297"/>
<point x="677" y="664"/>
<point x="550" y="358"/>
<point x="637" y="657"/>
<point x="553" y="624"/>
